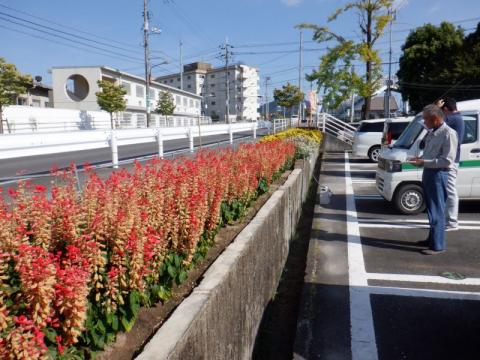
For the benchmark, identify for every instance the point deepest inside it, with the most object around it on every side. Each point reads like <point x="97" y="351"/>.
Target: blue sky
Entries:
<point x="202" y="25"/>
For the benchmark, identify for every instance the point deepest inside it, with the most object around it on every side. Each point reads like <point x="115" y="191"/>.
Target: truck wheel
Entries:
<point x="374" y="153"/>
<point x="409" y="199"/>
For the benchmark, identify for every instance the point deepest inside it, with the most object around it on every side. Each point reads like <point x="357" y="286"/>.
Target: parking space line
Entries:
<point x="427" y="293"/>
<point x="412" y="221"/>
<point x="368" y="197"/>
<point x="363" y="342"/>
<point x="364" y="181"/>
<point x="410" y="226"/>
<point x="423" y="279"/>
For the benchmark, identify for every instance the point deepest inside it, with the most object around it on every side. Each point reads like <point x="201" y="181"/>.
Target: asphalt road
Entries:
<point x="43" y="164"/>
<point x="369" y="291"/>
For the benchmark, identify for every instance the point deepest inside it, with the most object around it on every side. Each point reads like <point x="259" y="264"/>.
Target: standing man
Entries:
<point x="453" y="119"/>
<point x="438" y="157"/>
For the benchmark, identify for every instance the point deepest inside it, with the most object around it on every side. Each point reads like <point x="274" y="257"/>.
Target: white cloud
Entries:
<point x="291" y="2"/>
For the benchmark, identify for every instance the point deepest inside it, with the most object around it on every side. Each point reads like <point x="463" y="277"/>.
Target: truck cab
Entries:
<point x="401" y="183"/>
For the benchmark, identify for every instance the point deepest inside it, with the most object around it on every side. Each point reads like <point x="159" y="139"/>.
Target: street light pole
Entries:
<point x="267" y="105"/>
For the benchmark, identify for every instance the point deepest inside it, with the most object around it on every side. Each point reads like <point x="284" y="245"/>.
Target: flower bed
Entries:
<point x="75" y="269"/>
<point x="306" y="140"/>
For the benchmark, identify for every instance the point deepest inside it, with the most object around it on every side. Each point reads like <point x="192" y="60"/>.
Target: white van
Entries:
<point x="367" y="140"/>
<point x="401" y="182"/>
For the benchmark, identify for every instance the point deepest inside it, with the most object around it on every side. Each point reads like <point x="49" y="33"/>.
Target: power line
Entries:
<point x="66" y="26"/>
<point x="67" y="33"/>
<point x="69" y="39"/>
<point x="65" y="44"/>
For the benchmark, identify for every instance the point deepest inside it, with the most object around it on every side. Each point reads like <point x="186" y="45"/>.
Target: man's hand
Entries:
<point x="440" y="103"/>
<point x="416" y="161"/>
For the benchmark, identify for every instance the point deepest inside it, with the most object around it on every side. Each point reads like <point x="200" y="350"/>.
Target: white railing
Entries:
<point x="280" y="125"/>
<point x="22" y="145"/>
<point x="336" y="127"/>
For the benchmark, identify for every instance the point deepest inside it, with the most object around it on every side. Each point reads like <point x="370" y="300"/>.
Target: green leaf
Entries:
<point x="178" y="261"/>
<point x="127" y="323"/>
<point x="50" y="334"/>
<point x="100" y="327"/>
<point x="172" y="271"/>
<point x="182" y="276"/>
<point x="114" y="322"/>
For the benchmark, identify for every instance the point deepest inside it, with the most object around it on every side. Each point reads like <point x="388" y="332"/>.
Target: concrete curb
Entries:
<point x="220" y="319"/>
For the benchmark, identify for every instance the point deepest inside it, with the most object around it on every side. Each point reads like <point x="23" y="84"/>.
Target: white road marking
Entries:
<point x="435" y="294"/>
<point x="411" y="221"/>
<point x="423" y="279"/>
<point x="364" y="181"/>
<point x="410" y="226"/>
<point x="363" y="343"/>
<point x="368" y="197"/>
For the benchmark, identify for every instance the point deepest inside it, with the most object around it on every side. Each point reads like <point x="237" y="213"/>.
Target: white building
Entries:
<point x="210" y="83"/>
<point x="75" y="88"/>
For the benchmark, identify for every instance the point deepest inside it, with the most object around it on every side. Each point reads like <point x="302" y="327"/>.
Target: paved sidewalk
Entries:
<point x="369" y="293"/>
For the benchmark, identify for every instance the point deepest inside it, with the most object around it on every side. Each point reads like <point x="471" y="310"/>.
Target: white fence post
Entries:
<point x="160" y="143"/>
<point x="114" y="147"/>
<point x="254" y="130"/>
<point x="230" y="133"/>
<point x="324" y="120"/>
<point x="274" y="123"/>
<point x="190" y="139"/>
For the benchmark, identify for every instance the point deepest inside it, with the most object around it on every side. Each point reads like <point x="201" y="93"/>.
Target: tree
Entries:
<point x="165" y="104"/>
<point x="12" y="83"/>
<point x="111" y="98"/>
<point x="336" y="73"/>
<point x="430" y="64"/>
<point x="289" y="95"/>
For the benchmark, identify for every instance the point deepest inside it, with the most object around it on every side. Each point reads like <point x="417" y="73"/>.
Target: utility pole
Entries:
<point x="300" y="71"/>
<point x="267" y="105"/>
<point x="388" y="92"/>
<point x="181" y="65"/>
<point x="352" y="108"/>
<point x="146" y="17"/>
<point x="227" y="53"/>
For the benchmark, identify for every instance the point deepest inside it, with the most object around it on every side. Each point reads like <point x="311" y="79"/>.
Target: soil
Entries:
<point x="128" y="345"/>
<point x="276" y="335"/>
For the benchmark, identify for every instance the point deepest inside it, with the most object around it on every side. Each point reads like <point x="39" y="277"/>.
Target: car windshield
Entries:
<point x="410" y="134"/>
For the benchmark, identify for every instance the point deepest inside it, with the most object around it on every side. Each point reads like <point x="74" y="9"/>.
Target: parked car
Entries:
<point x="401" y="183"/>
<point x="367" y="140"/>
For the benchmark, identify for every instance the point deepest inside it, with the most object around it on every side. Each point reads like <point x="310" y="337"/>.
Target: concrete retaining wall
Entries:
<point x="333" y="144"/>
<point x="220" y="319"/>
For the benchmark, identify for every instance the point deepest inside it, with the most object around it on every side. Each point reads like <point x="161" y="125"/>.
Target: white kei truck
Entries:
<point x="401" y="183"/>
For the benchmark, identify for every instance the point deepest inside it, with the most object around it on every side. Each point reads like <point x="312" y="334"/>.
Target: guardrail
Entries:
<point x="336" y="127"/>
<point x="21" y="145"/>
<point x="280" y="125"/>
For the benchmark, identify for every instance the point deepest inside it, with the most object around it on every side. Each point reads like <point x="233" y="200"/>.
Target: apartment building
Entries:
<point x="75" y="88"/>
<point x="210" y="83"/>
<point x="37" y="95"/>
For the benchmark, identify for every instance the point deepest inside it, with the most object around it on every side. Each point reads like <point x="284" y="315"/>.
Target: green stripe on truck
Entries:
<point x="470" y="163"/>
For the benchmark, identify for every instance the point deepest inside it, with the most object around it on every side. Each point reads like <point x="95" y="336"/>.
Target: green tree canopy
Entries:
<point x="430" y="63"/>
<point x="111" y="98"/>
<point x="12" y="83"/>
<point x="165" y="104"/>
<point x="289" y="95"/>
<point x="336" y="74"/>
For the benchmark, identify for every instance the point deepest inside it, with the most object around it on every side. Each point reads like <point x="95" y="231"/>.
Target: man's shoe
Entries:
<point x="451" y="228"/>
<point x="425" y="243"/>
<point x="432" y="252"/>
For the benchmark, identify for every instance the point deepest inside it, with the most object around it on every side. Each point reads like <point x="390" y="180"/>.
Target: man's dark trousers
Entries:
<point x="434" y="182"/>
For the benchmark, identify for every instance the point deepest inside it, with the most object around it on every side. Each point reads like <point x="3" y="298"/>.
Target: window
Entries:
<point x="410" y="134"/>
<point x="191" y="103"/>
<point x="189" y="86"/>
<point x="471" y="130"/>
<point x="127" y="87"/>
<point x="185" y="102"/>
<point x="139" y="91"/>
<point x="189" y="77"/>
<point x="178" y="100"/>
<point x="202" y="76"/>
<point x="371" y="127"/>
<point x="151" y="94"/>
<point x="171" y="81"/>
<point x="212" y="76"/>
<point x="178" y="79"/>
<point x="212" y="85"/>
<point x="197" y="104"/>
<point x="36" y="103"/>
<point x="213" y="103"/>
<point x="21" y="101"/>
<point x="141" y="120"/>
<point x="397" y="128"/>
<point x="125" y="119"/>
<point x="165" y="81"/>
